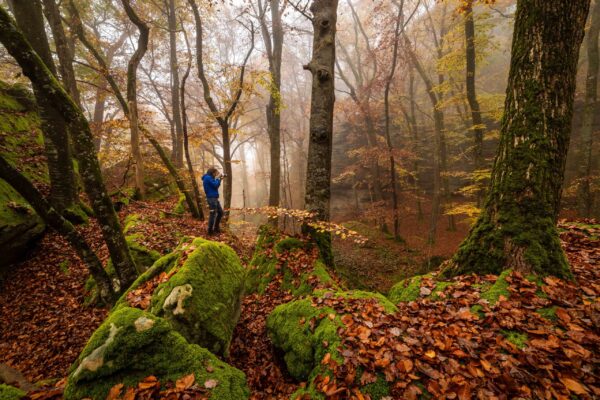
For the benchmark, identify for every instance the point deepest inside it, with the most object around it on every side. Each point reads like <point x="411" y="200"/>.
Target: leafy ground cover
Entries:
<point x="513" y="336"/>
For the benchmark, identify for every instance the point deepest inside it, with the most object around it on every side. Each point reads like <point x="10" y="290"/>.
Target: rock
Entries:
<point x="11" y="376"/>
<point x="133" y="344"/>
<point x="20" y="137"/>
<point x="265" y="265"/>
<point x="202" y="298"/>
<point x="301" y="330"/>
<point x="10" y="392"/>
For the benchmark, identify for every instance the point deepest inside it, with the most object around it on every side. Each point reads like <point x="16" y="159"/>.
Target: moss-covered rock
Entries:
<point x="20" y="138"/>
<point x="8" y="392"/>
<point x="202" y="298"/>
<point x="306" y="331"/>
<point x="132" y="344"/>
<point x="268" y="262"/>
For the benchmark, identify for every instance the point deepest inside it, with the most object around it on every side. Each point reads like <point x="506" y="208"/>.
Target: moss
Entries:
<point x="144" y="258"/>
<point x="306" y="333"/>
<point x="209" y="285"/>
<point x="10" y="392"/>
<point x="131" y="221"/>
<point x="289" y="244"/>
<point x="519" y="339"/>
<point x="378" y="389"/>
<point x="76" y="214"/>
<point x="440" y="287"/>
<point x="499" y="288"/>
<point x="180" y="206"/>
<point x="406" y="290"/>
<point x="64" y="267"/>
<point x="132" y="344"/>
<point x="548" y="313"/>
<point x="299" y="329"/>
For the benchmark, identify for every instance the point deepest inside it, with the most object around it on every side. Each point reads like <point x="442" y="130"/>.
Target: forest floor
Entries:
<point x="44" y="323"/>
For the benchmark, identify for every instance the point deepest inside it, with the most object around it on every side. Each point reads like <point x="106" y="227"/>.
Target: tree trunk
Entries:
<point x="63" y="193"/>
<point x="439" y="152"/>
<point x="477" y="127"/>
<point x="589" y="112"/>
<point x="517" y="228"/>
<point x="197" y="213"/>
<point x="134" y="62"/>
<point x="53" y="219"/>
<point x="318" y="171"/>
<point x="65" y="55"/>
<point x="175" y="102"/>
<point x="47" y="86"/>
<point x="228" y="189"/>
<point x="388" y="136"/>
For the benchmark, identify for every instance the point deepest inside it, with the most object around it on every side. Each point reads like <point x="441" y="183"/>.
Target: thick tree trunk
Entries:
<point x="175" y="102"/>
<point x="477" y="121"/>
<point x="589" y="112"/>
<point x="47" y="86"/>
<point x="132" y="66"/>
<point x="63" y="193"/>
<point x="318" y="171"/>
<point x="517" y="228"/>
<point x="61" y="225"/>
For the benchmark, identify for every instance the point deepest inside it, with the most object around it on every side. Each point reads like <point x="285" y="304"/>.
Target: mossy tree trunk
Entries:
<point x="318" y="171"/>
<point x="177" y="156"/>
<point x="590" y="110"/>
<point x="63" y="192"/>
<point x="517" y="228"/>
<point x="46" y="85"/>
<point x="53" y="219"/>
<point x="134" y="62"/>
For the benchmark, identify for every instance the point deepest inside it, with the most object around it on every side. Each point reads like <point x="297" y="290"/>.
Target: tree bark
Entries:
<point x="53" y="219"/>
<point x="47" y="86"/>
<point x="517" y="228"/>
<point x="134" y="62"/>
<point x="63" y="193"/>
<point x="589" y="112"/>
<point x="477" y="127"/>
<point x="175" y="102"/>
<point x="186" y="146"/>
<point x="388" y="136"/>
<point x="318" y="171"/>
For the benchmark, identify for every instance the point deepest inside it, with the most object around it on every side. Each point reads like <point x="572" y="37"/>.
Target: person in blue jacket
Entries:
<point x="211" y="182"/>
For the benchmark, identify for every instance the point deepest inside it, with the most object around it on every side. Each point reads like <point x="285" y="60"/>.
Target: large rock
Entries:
<point x="201" y="298"/>
<point x="306" y="330"/>
<point x="133" y="344"/>
<point x="20" y="144"/>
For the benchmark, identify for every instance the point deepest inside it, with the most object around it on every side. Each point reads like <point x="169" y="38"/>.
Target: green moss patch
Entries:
<point x="132" y="344"/>
<point x="499" y="288"/>
<point x="406" y="290"/>
<point x="519" y="339"/>
<point x="8" y="392"/>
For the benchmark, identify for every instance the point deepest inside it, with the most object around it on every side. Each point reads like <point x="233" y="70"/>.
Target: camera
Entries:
<point x="224" y="176"/>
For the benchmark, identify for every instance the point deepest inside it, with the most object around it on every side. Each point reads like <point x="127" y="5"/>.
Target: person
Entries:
<point x="211" y="182"/>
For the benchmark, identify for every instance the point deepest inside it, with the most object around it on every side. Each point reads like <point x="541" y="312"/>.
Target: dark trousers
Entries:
<point x="216" y="213"/>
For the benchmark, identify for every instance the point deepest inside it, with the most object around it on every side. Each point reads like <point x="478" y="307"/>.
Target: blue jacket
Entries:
<point x="211" y="186"/>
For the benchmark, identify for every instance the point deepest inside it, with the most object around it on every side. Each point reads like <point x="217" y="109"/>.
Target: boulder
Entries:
<point x="306" y="330"/>
<point x="133" y="344"/>
<point x="20" y="144"/>
<point x="200" y="295"/>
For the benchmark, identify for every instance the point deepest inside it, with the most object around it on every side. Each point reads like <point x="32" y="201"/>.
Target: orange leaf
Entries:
<point x="185" y="382"/>
<point x="574" y="386"/>
<point x="114" y="392"/>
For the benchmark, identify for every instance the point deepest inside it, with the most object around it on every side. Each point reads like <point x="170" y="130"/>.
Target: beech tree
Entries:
<point x="53" y="94"/>
<point x="318" y="170"/>
<point x="517" y="227"/>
